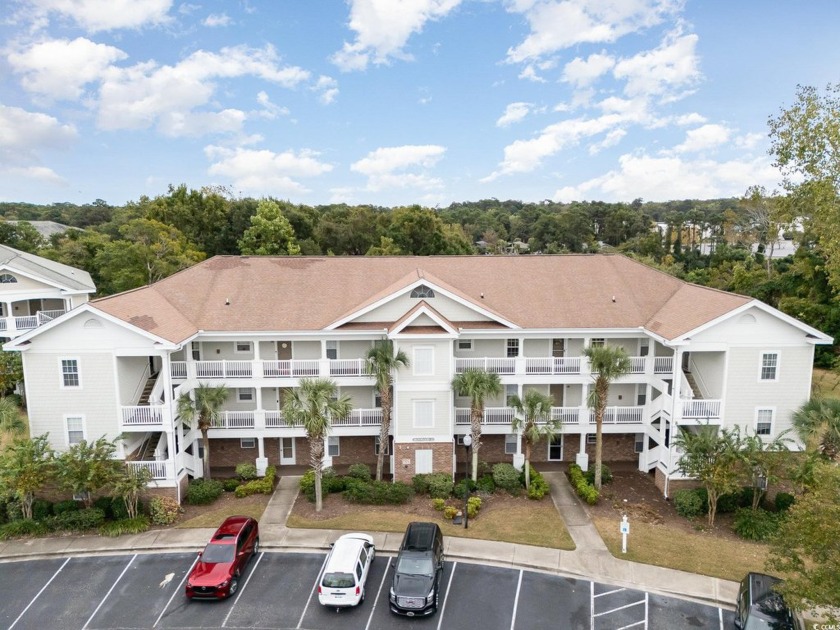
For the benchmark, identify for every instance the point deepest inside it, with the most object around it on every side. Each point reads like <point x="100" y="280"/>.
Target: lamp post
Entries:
<point x="467" y="448"/>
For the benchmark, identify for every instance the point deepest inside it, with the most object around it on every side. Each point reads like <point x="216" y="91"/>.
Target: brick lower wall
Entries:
<point x="673" y="484"/>
<point x="404" y="458"/>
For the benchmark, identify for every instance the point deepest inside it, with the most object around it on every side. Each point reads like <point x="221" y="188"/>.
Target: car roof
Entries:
<point x="766" y="603"/>
<point x="345" y="551"/>
<point x="230" y="528"/>
<point x="420" y="536"/>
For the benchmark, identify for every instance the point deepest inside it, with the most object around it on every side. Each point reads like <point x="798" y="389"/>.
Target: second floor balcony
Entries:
<point x="16" y="325"/>
<point x="290" y="369"/>
<point x="533" y="366"/>
<point x="274" y="419"/>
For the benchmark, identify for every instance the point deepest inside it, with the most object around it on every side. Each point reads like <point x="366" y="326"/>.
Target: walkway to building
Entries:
<point x="590" y="560"/>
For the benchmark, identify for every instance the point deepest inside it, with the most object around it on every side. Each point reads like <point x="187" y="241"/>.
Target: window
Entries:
<point x="511" y="444"/>
<point x="247" y="442"/>
<point x="510" y="392"/>
<point x="465" y="344"/>
<point x="591" y="438"/>
<point x="512" y="348"/>
<point x="332" y="350"/>
<point x="377" y="400"/>
<point x="424" y="414"/>
<point x="459" y="440"/>
<point x="70" y="373"/>
<point x="244" y="394"/>
<point x="763" y="421"/>
<point x="423" y="292"/>
<point x="195" y="350"/>
<point x="75" y="429"/>
<point x="424" y="361"/>
<point x="376" y="446"/>
<point x="639" y="443"/>
<point x="7" y="278"/>
<point x="597" y="342"/>
<point x="242" y="347"/>
<point x="769" y="366"/>
<point x="333" y="447"/>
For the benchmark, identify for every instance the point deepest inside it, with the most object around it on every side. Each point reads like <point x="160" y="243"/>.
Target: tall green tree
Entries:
<point x="313" y="405"/>
<point x="713" y="458"/>
<point x="270" y="233"/>
<point x="11" y="371"/>
<point x="533" y="419"/>
<point x="764" y="459"/>
<point x="26" y="466"/>
<point x="203" y="405"/>
<point x="382" y="362"/>
<point x="477" y="385"/>
<point x="806" y="548"/>
<point x="817" y="423"/>
<point x="129" y="485"/>
<point x="606" y="365"/>
<point x="87" y="467"/>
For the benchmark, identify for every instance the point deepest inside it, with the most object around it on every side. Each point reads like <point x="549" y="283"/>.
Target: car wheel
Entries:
<point x="437" y="599"/>
<point x="363" y="597"/>
<point x="234" y="585"/>
<point x="256" y="547"/>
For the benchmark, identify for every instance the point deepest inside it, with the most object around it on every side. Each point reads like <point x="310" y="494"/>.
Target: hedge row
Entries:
<point x="258" y="486"/>
<point x="584" y="489"/>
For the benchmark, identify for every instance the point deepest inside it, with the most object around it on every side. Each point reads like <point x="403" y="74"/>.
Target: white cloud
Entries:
<point x="672" y="66"/>
<point x="36" y="174"/>
<point x="529" y="73"/>
<point x="23" y="134"/>
<point x="514" y="112"/>
<point x="60" y="68"/>
<point x="705" y="137"/>
<point x="217" y="19"/>
<point x="196" y="124"/>
<point x="388" y="167"/>
<point x="611" y="139"/>
<point x="269" y="109"/>
<point x="690" y="119"/>
<point x="328" y="87"/>
<point x="264" y="172"/>
<point x="383" y="28"/>
<point x="582" y="72"/>
<point x="664" y="178"/>
<point x="106" y="15"/>
<point x="560" y="24"/>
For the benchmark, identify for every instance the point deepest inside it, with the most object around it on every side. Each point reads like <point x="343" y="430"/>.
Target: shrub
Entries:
<point x="378" y="492"/>
<point x="79" y="520"/>
<point x="729" y="502"/>
<point x="486" y="484"/>
<point x="136" y="525"/>
<point x="783" y="501"/>
<point x="203" y="491"/>
<point x="755" y="524"/>
<point x="539" y="488"/>
<point x="331" y="482"/>
<point x="584" y="490"/>
<point x="41" y="509"/>
<point x="259" y="486"/>
<point x="506" y="477"/>
<point x="449" y="512"/>
<point x="65" y="506"/>
<point x="440" y="485"/>
<point x="473" y="506"/>
<point x="22" y="527"/>
<point x="163" y="510"/>
<point x="465" y="485"/>
<point x="420" y="483"/>
<point x="688" y="503"/>
<point x="13" y="511"/>
<point x="439" y="504"/>
<point x="246" y="471"/>
<point x="230" y="485"/>
<point x="307" y="484"/>
<point x="106" y="505"/>
<point x="118" y="509"/>
<point x="606" y="475"/>
<point x="359" y="471"/>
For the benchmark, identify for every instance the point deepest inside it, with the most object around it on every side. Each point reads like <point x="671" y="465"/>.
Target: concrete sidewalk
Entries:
<point x="590" y="560"/>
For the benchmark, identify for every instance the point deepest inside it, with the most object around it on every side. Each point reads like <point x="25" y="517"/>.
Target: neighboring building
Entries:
<point x="45" y="228"/>
<point x="257" y="325"/>
<point x="34" y="291"/>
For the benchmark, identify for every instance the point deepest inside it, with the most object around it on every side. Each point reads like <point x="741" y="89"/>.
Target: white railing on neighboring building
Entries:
<point x="160" y="470"/>
<point x="663" y="365"/>
<point x="223" y="369"/>
<point x="621" y="415"/>
<point x="348" y="367"/>
<point x="637" y="365"/>
<point x="567" y="415"/>
<point x="552" y="365"/>
<point x="26" y="322"/>
<point x="143" y="415"/>
<point x="293" y="368"/>
<point x="360" y="418"/>
<point x="48" y="316"/>
<point x="178" y="369"/>
<point x="492" y="415"/>
<point x="234" y="420"/>
<point x="495" y="365"/>
<point x="700" y="408"/>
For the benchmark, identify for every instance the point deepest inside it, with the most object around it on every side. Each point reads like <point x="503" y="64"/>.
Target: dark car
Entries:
<point x="760" y="607"/>
<point x="217" y="571"/>
<point x="415" y="590"/>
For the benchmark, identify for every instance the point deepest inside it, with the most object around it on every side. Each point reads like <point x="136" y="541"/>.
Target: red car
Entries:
<point x="218" y="569"/>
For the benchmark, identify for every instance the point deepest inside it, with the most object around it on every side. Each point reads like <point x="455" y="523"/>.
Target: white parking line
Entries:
<point x="720" y="616"/>
<point x="445" y="597"/>
<point x="612" y="610"/>
<point x="592" y="605"/>
<point x="43" y="588"/>
<point x="516" y="601"/>
<point x="113" y="586"/>
<point x="314" y="589"/>
<point x="180" y="585"/>
<point x="378" y="594"/>
<point x="617" y="590"/>
<point x="250" y="575"/>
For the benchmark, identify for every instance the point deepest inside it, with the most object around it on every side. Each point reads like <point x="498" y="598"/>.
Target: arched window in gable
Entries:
<point x="422" y="292"/>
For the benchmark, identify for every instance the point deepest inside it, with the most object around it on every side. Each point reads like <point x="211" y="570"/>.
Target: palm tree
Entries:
<point x="763" y="459"/>
<point x="11" y="419"/>
<point x="817" y="423"/>
<point x="204" y="406"/>
<point x="477" y="384"/>
<point x="381" y="363"/>
<point x="606" y="364"/>
<point x="533" y="418"/>
<point x="313" y="404"/>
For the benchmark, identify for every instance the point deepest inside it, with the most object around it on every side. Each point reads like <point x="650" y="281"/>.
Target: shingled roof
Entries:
<point x="253" y="294"/>
<point x="63" y="276"/>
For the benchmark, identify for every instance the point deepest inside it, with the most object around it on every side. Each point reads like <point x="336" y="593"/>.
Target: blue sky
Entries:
<point x="394" y="102"/>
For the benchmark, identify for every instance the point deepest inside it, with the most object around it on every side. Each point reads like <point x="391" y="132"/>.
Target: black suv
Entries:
<point x="416" y="587"/>
<point x="760" y="607"/>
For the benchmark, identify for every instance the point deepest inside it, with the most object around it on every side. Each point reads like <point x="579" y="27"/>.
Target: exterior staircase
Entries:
<point x="693" y="383"/>
<point x="147" y="391"/>
<point x="146" y="451"/>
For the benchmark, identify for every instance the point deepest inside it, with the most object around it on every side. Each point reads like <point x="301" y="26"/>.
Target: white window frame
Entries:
<point x="597" y="342"/>
<point x="591" y="438"/>
<point x="377" y="399"/>
<point x="772" y="421"/>
<point x="459" y="439"/>
<point x="62" y="373"/>
<point x="511" y="389"/>
<point x="248" y="350"/>
<point x="776" y="369"/>
<point x="331" y="346"/>
<point x="419" y="366"/>
<point x="333" y="446"/>
<point x="639" y="443"/>
<point x="510" y="344"/>
<point x="249" y="397"/>
<point x="74" y="416"/>
<point x="465" y="344"/>
<point x="247" y="442"/>
<point x="511" y="440"/>
<point x="7" y="278"/>
<point x="419" y="407"/>
<point x="376" y="446"/>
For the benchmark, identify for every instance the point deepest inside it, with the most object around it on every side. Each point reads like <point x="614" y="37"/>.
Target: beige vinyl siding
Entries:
<point x="25" y="284"/>
<point x="132" y="378"/>
<point x="353" y="349"/>
<point x="404" y="408"/>
<point x="306" y="350"/>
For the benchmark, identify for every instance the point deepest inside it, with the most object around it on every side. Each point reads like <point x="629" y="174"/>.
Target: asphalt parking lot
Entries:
<point x="278" y="592"/>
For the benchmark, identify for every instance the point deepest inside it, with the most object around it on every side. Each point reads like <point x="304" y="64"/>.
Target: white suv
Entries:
<point x="348" y="564"/>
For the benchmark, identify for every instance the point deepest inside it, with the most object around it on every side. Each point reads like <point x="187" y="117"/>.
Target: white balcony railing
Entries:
<point x="223" y="369"/>
<point x="234" y="420"/>
<point x="522" y="366"/>
<point x="698" y="408"/>
<point x="663" y="365"/>
<point x="562" y="415"/>
<point x="290" y="369"/>
<point x="488" y="364"/>
<point x="294" y="368"/>
<point x="348" y="367"/>
<point x="360" y="418"/>
<point x="552" y="365"/>
<point x="567" y="415"/>
<point x="141" y="416"/>
<point x="160" y="470"/>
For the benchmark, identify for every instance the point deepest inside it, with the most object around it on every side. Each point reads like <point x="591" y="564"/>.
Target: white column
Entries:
<point x="262" y="460"/>
<point x="582" y="457"/>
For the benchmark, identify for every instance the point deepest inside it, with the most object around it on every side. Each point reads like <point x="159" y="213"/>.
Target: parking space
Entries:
<point x="278" y="590"/>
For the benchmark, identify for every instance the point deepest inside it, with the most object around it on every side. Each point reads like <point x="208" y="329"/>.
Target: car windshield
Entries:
<point x="338" y="580"/>
<point x="415" y="565"/>
<point x="214" y="553"/>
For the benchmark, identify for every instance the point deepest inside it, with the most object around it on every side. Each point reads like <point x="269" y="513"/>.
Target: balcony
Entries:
<point x="273" y="419"/>
<point x="533" y="366"/>
<point x="164" y="469"/>
<point x="291" y="369"/>
<point x="565" y="416"/>
<point x="143" y="418"/>
<point x="24" y="323"/>
<point x="701" y="409"/>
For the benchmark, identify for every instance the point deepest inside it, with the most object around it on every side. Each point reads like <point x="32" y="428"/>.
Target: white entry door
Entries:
<point x="422" y="462"/>
<point x="287" y="451"/>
